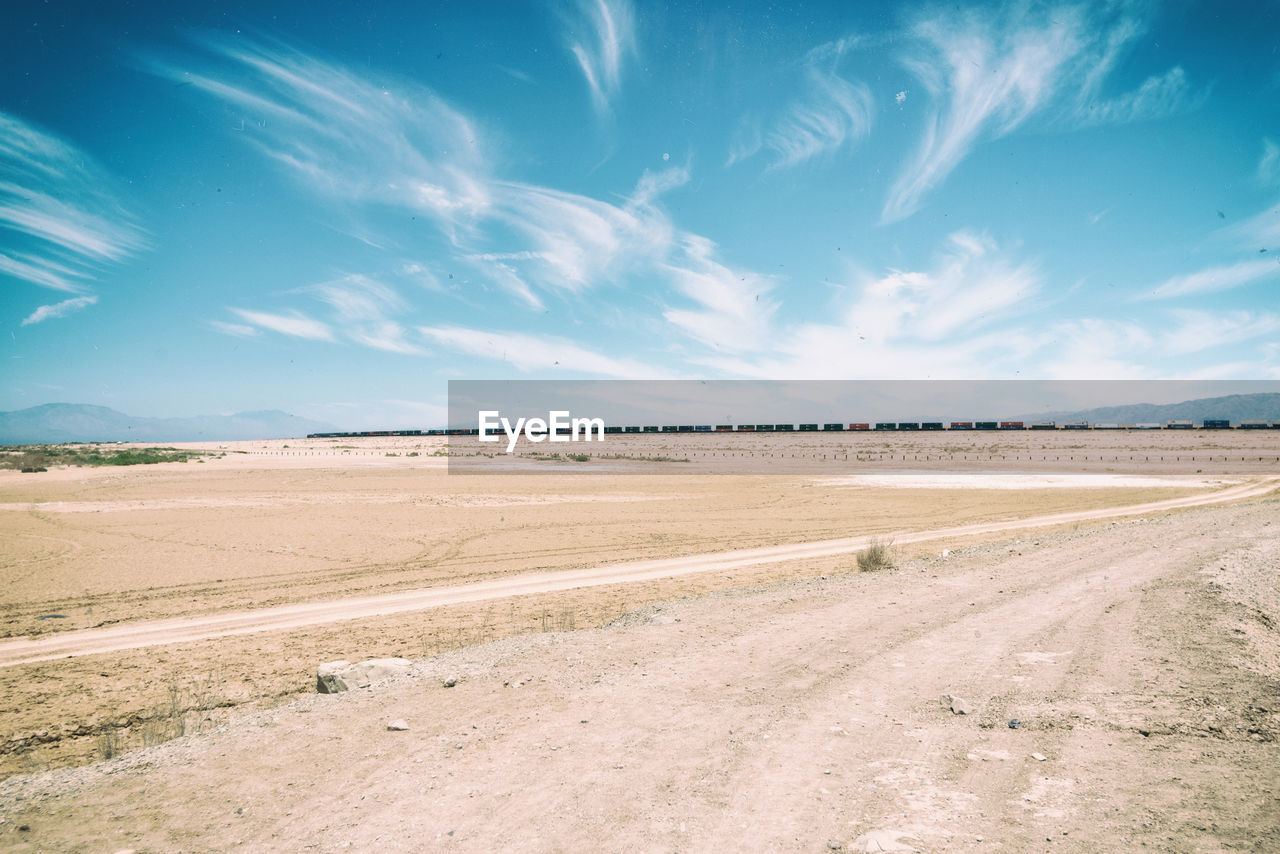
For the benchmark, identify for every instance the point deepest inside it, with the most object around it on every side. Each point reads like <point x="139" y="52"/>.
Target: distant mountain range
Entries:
<point x="1232" y="407"/>
<point x="79" y="422"/>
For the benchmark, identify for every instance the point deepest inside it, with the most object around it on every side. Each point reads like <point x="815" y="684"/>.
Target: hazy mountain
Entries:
<point x="1233" y="407"/>
<point x="78" y="422"/>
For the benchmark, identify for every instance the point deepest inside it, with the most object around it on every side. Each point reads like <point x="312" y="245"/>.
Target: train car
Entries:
<point x="1106" y="426"/>
<point x="961" y="425"/>
<point x="1180" y="425"/>
<point x="670" y="428"/>
<point x="702" y="428"/>
<point x="986" y="425"/>
<point x="808" y="428"/>
<point x="886" y="425"/>
<point x="764" y="428"/>
<point x="609" y="430"/>
<point x="1076" y="425"/>
<point x="1012" y="425"/>
<point x="1253" y="424"/>
<point x="784" y="428"/>
<point x="837" y="428"/>
<point x="908" y="425"/>
<point x="631" y="430"/>
<point x="930" y="425"/>
<point x="1146" y="425"/>
<point x="859" y="425"/>
<point x="684" y="428"/>
<point x="1044" y="425"/>
<point x="653" y="429"/>
<point x="746" y="428"/>
<point x="724" y="428"/>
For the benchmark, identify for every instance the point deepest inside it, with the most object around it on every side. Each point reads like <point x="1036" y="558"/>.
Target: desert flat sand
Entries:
<point x="781" y="702"/>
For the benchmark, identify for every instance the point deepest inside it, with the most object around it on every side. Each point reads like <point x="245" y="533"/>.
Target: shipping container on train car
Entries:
<point x="908" y="425"/>
<point x="826" y="428"/>
<point x="1044" y="425"/>
<point x="961" y="425"/>
<point x="670" y="428"/>
<point x="930" y="425"/>
<point x="1147" y="425"/>
<point x="1106" y="426"/>
<point x="746" y="428"/>
<point x="1180" y="425"/>
<point x="1217" y="424"/>
<point x="1011" y="425"/>
<point x="724" y="428"/>
<point x="764" y="428"/>
<point x="632" y="430"/>
<point x="652" y="429"/>
<point x="784" y="428"/>
<point x="702" y="428"/>
<point x="859" y="425"/>
<point x="986" y="425"/>
<point x="1076" y="425"/>
<point x="1253" y="424"/>
<point x="808" y="428"/>
<point x="886" y="425"/>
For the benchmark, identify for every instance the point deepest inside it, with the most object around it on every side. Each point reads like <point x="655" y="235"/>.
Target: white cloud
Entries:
<point x="602" y="39"/>
<point x="236" y="330"/>
<point x="734" y="306"/>
<point x="1196" y="331"/>
<point x="533" y="353"/>
<point x="833" y="111"/>
<point x="294" y="324"/>
<point x="987" y="72"/>
<point x="57" y="211"/>
<point x="345" y="137"/>
<point x="1217" y="278"/>
<point x="62" y="309"/>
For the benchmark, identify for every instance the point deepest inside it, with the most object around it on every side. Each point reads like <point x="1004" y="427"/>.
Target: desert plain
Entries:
<point x="668" y="646"/>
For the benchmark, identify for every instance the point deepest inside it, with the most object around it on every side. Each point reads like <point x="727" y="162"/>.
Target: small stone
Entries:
<point x="1039" y="757"/>
<point x="397" y="726"/>
<point x="450" y="682"/>
<point x="956" y="704"/>
<point x="835" y="845"/>
<point x="1014" y="723"/>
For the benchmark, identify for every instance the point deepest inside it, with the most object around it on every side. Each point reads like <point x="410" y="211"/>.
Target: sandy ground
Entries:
<point x="1139" y="657"/>
<point x="262" y="528"/>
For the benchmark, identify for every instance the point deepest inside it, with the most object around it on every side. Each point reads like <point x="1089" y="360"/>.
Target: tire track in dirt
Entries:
<point x="188" y="629"/>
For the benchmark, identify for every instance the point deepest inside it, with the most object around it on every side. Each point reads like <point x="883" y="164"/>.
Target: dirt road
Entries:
<point x="1138" y="659"/>
<point x="141" y="634"/>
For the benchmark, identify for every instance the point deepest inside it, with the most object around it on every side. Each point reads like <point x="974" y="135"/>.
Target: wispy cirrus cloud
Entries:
<point x="535" y="353"/>
<point x="990" y="70"/>
<point x="60" y="224"/>
<point x="61" y="309"/>
<point x="833" y="112"/>
<point x="601" y="37"/>
<point x="294" y="324"/>
<point x="1218" y="278"/>
<point x="341" y="135"/>
<point x="362" y="311"/>
<point x="236" y="330"/>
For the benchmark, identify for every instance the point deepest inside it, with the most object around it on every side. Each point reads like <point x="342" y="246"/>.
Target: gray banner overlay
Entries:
<point x="842" y="427"/>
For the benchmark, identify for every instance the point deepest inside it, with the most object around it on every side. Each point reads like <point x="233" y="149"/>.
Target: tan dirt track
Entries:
<point x="1138" y="656"/>
<point x="182" y="630"/>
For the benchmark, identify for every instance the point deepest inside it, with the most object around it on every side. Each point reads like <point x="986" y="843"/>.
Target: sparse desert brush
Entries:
<point x="876" y="556"/>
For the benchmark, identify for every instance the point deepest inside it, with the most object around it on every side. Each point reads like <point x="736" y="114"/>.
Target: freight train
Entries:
<point x="855" y="426"/>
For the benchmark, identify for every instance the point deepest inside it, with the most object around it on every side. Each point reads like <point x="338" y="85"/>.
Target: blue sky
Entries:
<point x="333" y="211"/>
